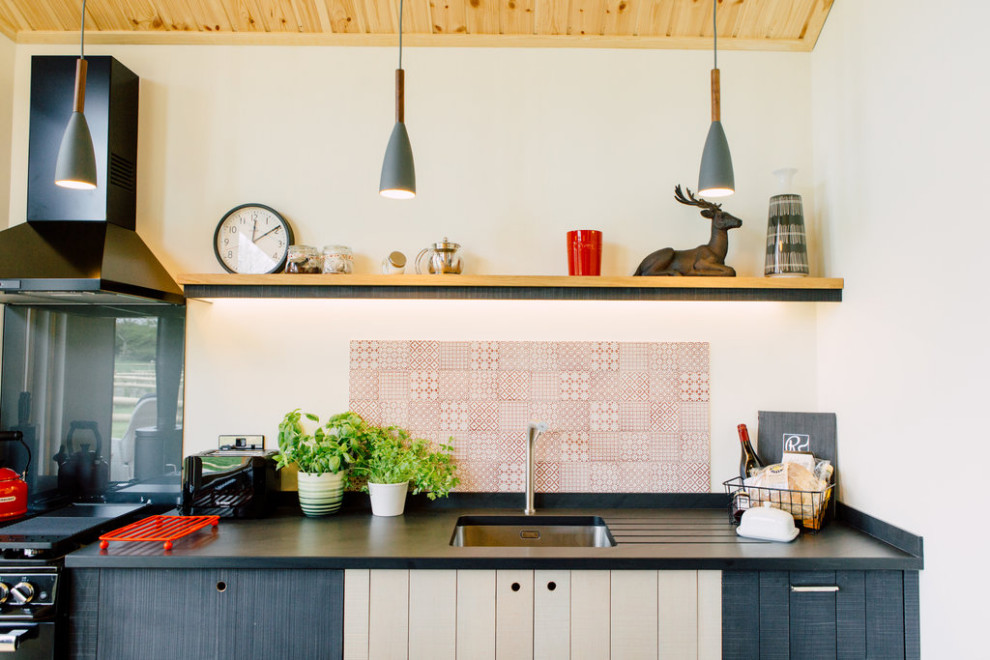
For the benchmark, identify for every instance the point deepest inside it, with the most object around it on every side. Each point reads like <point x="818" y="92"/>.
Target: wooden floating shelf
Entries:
<point x="513" y="287"/>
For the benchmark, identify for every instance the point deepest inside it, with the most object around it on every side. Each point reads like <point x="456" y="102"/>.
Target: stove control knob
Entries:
<point x="22" y="593"/>
<point x="4" y="592"/>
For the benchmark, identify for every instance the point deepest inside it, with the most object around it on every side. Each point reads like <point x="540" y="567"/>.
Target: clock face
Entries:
<point x="252" y="238"/>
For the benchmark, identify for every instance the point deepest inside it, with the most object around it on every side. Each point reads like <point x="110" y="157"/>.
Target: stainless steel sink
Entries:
<point x="532" y="531"/>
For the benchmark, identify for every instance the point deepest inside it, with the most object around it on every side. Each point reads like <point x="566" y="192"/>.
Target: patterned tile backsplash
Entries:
<point x="623" y="417"/>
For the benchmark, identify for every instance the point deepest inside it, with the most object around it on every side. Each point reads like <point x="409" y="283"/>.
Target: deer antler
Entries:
<point x="691" y="200"/>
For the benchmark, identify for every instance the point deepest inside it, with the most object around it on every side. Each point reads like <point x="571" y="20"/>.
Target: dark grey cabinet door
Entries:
<point x="291" y="613"/>
<point x="208" y="613"/>
<point x="871" y="614"/>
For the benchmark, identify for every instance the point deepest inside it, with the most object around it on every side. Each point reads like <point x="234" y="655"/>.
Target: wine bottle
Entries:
<point x="749" y="462"/>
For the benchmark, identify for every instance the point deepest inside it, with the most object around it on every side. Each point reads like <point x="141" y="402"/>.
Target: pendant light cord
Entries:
<point x="82" y="33"/>
<point x="400" y="32"/>
<point x="714" y="29"/>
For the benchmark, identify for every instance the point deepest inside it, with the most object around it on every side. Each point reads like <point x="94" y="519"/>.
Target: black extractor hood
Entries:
<point x="79" y="246"/>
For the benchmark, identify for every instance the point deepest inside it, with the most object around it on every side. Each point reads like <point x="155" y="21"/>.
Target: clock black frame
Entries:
<point x="285" y="223"/>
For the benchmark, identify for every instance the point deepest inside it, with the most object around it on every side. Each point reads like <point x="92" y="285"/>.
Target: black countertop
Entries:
<point x="657" y="538"/>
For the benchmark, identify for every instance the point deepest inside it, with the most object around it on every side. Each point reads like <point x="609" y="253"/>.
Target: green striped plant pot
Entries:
<point x="320" y="494"/>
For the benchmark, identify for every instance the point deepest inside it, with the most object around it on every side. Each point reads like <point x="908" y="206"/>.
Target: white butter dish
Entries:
<point x="768" y="524"/>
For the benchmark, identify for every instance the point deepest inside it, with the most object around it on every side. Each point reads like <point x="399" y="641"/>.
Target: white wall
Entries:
<point x="7" y="50"/>
<point x="513" y="148"/>
<point x="901" y="138"/>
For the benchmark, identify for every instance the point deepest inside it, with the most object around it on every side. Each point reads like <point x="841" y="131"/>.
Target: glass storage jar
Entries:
<point x="337" y="259"/>
<point x="303" y="259"/>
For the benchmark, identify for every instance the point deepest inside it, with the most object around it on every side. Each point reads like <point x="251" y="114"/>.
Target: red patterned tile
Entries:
<point x="364" y="354"/>
<point x="574" y="355"/>
<point x="364" y="384"/>
<point x="424" y="385"/>
<point x="484" y="355"/>
<point x="665" y="386"/>
<point x="636" y="477"/>
<point x="424" y="355"/>
<point x="573" y="416"/>
<point x="455" y="385"/>
<point x="668" y="476"/>
<point x="575" y="477"/>
<point x="483" y="446"/>
<point x="666" y="448"/>
<point x="574" y="385"/>
<point x="604" y="446"/>
<point x="634" y="447"/>
<point x="694" y="386"/>
<point x="455" y="355"/>
<point x="370" y="411"/>
<point x="634" y="356"/>
<point x="605" y="356"/>
<point x="663" y="357"/>
<point x="545" y="385"/>
<point x="512" y="446"/>
<point x="634" y="415"/>
<point x="547" y="477"/>
<point x="635" y="386"/>
<point x="478" y="476"/>
<point x="574" y="447"/>
<point x="694" y="478"/>
<point x="395" y="413"/>
<point x="393" y="385"/>
<point x="544" y="411"/>
<point x="605" y="386"/>
<point x="484" y="416"/>
<point x="393" y="355"/>
<point x="604" y="478"/>
<point x="511" y="478"/>
<point x="664" y="416"/>
<point x="545" y="356"/>
<point x="694" y="447"/>
<point x="455" y="415"/>
<point x="515" y="355"/>
<point x="693" y="416"/>
<point x="424" y="415"/>
<point x="513" y="385"/>
<point x="513" y="415"/>
<point x="692" y="356"/>
<point x="604" y="416"/>
<point x="547" y="449"/>
<point x="484" y="385"/>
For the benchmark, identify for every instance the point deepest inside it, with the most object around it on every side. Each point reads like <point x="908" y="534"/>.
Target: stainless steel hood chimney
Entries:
<point x="79" y="246"/>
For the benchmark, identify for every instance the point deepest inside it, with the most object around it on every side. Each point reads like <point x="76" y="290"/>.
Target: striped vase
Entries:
<point x="787" y="247"/>
<point x="320" y="494"/>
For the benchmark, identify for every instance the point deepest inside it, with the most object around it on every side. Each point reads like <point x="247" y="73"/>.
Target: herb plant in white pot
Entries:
<point x="322" y="457"/>
<point x="393" y="460"/>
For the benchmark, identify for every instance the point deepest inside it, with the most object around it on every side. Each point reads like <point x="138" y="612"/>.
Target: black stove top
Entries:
<point x="61" y="530"/>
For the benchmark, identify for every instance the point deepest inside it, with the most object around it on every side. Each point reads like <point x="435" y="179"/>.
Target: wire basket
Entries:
<point x="811" y="509"/>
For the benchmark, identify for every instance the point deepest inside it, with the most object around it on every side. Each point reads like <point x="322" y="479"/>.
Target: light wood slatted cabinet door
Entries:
<point x="542" y="614"/>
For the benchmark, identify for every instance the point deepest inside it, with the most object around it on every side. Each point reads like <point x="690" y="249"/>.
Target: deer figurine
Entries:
<point x="703" y="260"/>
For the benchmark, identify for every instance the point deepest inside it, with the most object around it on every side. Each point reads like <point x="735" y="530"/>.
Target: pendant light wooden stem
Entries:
<point x="400" y="95"/>
<point x="79" y="97"/>
<point x="716" y="97"/>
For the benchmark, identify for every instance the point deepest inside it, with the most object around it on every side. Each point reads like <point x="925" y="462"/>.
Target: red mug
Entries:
<point x="584" y="252"/>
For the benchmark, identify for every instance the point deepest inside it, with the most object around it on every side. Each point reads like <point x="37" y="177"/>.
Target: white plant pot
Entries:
<point x="388" y="499"/>
<point x="320" y="494"/>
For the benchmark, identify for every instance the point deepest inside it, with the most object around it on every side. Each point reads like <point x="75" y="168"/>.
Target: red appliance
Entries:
<point x="13" y="489"/>
<point x="13" y="494"/>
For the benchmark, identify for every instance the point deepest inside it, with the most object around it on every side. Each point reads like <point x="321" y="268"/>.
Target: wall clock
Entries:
<point x="252" y="238"/>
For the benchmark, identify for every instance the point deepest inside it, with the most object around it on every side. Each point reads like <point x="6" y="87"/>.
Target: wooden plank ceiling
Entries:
<point x="792" y="25"/>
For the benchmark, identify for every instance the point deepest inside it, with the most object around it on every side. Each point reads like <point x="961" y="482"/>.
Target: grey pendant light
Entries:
<point x="76" y="164"/>
<point x="398" y="170"/>
<point x="716" y="178"/>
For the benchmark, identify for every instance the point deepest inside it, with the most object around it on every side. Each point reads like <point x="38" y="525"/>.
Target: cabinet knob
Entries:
<point x="515" y="586"/>
<point x="22" y="593"/>
<point x="551" y="585"/>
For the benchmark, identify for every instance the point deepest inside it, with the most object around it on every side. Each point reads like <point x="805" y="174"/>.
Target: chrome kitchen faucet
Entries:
<point x="533" y="432"/>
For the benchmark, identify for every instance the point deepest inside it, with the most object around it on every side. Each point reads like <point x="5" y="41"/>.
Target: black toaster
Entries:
<point x="230" y="482"/>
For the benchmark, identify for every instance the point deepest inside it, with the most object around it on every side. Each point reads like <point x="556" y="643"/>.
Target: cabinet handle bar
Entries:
<point x="831" y="588"/>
